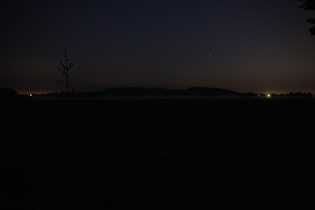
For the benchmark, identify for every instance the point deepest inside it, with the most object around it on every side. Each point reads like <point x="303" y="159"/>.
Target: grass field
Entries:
<point x="158" y="154"/>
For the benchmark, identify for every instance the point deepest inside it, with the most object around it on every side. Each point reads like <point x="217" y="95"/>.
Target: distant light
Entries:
<point x="268" y="95"/>
<point x="31" y="95"/>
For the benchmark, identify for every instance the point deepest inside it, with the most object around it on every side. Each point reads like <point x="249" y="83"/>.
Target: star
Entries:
<point x="28" y="11"/>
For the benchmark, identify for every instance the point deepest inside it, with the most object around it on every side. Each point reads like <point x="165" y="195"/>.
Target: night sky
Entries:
<point x="244" y="45"/>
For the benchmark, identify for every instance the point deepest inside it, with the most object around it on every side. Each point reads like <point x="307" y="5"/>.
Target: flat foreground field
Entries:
<point x="158" y="154"/>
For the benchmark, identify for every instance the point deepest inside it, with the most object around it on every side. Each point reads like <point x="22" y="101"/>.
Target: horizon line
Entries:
<point x="275" y="92"/>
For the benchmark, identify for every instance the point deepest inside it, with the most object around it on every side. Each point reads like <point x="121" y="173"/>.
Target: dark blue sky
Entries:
<point x="260" y="46"/>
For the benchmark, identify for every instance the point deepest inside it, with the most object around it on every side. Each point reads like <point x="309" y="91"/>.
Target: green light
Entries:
<point x="268" y="95"/>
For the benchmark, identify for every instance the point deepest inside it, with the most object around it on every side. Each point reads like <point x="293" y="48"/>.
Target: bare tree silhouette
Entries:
<point x="67" y="71"/>
<point x="309" y="5"/>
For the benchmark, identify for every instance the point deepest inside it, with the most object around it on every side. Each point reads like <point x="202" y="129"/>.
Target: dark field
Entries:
<point x="158" y="154"/>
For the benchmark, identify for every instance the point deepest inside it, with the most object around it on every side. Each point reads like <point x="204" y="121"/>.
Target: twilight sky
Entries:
<point x="244" y="45"/>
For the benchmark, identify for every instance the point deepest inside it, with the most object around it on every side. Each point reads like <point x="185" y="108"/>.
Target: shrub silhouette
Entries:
<point x="309" y="5"/>
<point x="67" y="71"/>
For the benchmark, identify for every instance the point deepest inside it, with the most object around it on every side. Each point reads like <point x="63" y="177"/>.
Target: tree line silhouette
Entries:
<point x="198" y="92"/>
